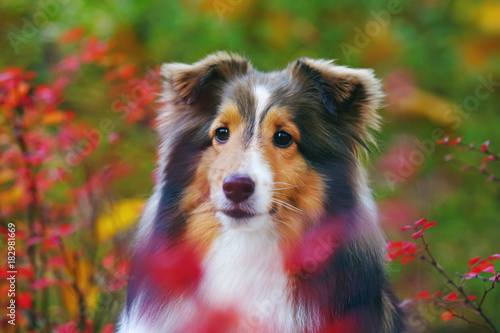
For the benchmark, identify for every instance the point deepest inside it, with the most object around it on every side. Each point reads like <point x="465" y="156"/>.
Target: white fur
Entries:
<point x="262" y="95"/>
<point x="244" y="271"/>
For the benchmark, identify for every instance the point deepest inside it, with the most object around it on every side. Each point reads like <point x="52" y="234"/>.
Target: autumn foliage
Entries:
<point x="70" y="275"/>
<point x="71" y="257"/>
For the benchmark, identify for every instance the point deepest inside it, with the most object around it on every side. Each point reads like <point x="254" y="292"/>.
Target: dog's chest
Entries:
<point x="245" y="272"/>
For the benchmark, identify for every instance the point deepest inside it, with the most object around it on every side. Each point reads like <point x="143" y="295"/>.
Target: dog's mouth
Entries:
<point x="238" y="214"/>
<point x="243" y="214"/>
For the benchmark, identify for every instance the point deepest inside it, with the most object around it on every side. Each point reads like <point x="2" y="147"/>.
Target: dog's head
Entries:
<point x="258" y="151"/>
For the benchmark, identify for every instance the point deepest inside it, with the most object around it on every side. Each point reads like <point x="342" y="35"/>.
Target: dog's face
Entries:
<point x="254" y="168"/>
<point x="276" y="151"/>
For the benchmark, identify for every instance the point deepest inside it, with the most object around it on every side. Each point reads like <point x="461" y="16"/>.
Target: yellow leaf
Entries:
<point x="121" y="216"/>
<point x="13" y="195"/>
<point x="71" y="300"/>
<point x="224" y="9"/>
<point x="6" y="175"/>
<point x="488" y="16"/>
<point x="54" y="117"/>
<point x="90" y="291"/>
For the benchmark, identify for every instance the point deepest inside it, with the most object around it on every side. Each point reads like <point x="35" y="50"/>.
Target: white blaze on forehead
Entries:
<point x="261" y="95"/>
<point x="258" y="166"/>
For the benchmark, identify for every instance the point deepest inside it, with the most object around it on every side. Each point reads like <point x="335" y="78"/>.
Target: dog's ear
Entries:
<point x="351" y="96"/>
<point x="188" y="83"/>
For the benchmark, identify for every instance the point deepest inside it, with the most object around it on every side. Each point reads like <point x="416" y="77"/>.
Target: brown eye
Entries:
<point x="282" y="139"/>
<point x="222" y="134"/>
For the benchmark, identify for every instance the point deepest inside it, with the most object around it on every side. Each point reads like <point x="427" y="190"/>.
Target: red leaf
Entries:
<point x="63" y="230"/>
<point x="428" y="225"/>
<point x="46" y="95"/>
<point x="173" y="270"/>
<point x="109" y="261"/>
<point x="126" y="72"/>
<point x="456" y="142"/>
<point x="488" y="158"/>
<point x="473" y="261"/>
<point x="94" y="50"/>
<point x="43" y="283"/>
<point x="418" y="234"/>
<point x="405" y="250"/>
<point x="68" y="65"/>
<point x="494" y="257"/>
<point x="66" y="229"/>
<point x="113" y="137"/>
<point x="108" y="328"/>
<point x="33" y="241"/>
<point x="423" y="295"/>
<point x="484" y="146"/>
<point x="407" y="227"/>
<point x="72" y="35"/>
<point x="407" y="259"/>
<point x="26" y="271"/>
<point x="472" y="297"/>
<point x="493" y="278"/>
<point x="55" y="262"/>
<point x="483" y="264"/>
<point x="489" y="269"/>
<point x="447" y="316"/>
<point x="421" y="222"/>
<point x="444" y="141"/>
<point x="24" y="300"/>
<point x="211" y="319"/>
<point x="67" y="328"/>
<point x="436" y="294"/>
<point x="451" y="296"/>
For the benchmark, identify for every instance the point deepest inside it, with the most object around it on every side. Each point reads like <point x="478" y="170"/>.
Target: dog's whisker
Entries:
<point x="279" y="221"/>
<point x="287" y="205"/>
<point x="282" y="188"/>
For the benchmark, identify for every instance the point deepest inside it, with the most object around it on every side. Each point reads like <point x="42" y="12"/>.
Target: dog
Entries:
<point x="262" y="219"/>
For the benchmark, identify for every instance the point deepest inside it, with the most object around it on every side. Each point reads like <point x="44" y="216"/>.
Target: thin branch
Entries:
<point x="488" y="290"/>
<point x="472" y="147"/>
<point x="481" y="171"/>
<point x="479" y="277"/>
<point x="459" y="288"/>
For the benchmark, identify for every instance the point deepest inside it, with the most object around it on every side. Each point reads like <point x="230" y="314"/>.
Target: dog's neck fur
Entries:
<point x="245" y="271"/>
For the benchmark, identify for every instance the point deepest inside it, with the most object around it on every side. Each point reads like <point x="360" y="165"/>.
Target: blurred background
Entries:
<point x="438" y="61"/>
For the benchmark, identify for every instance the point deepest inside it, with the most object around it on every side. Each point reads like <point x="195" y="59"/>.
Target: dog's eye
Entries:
<point x="282" y="139"/>
<point x="222" y="134"/>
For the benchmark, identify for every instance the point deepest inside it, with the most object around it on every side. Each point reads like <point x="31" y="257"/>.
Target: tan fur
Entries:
<point x="295" y="183"/>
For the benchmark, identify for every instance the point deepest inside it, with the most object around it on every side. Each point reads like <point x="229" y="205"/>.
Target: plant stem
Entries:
<point x="488" y="290"/>
<point x="491" y="177"/>
<point x="32" y="207"/>
<point x="74" y="283"/>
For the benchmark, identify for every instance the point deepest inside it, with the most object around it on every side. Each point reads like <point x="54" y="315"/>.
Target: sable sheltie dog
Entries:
<point x="262" y="219"/>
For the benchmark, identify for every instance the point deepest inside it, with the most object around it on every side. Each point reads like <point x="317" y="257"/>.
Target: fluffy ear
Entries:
<point x="188" y="83"/>
<point x="350" y="95"/>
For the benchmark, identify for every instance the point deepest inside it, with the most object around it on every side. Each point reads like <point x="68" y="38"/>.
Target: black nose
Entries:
<point x="238" y="188"/>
